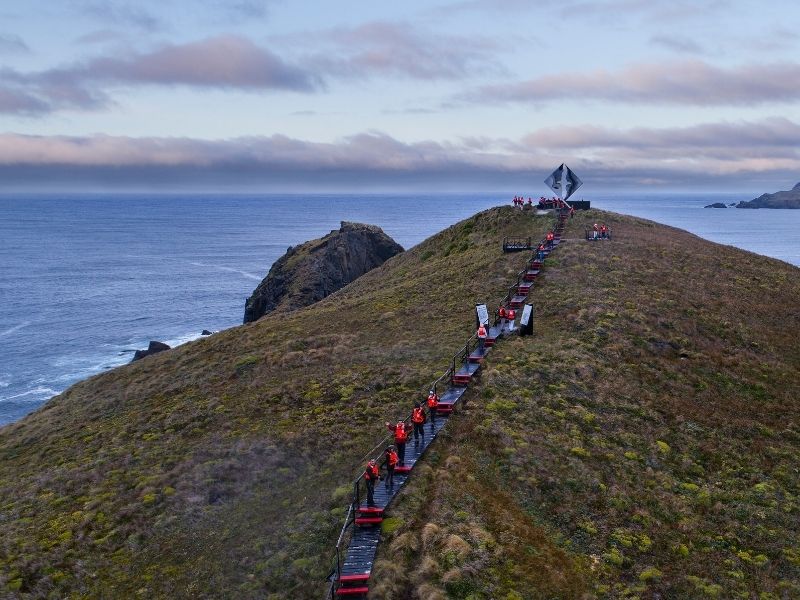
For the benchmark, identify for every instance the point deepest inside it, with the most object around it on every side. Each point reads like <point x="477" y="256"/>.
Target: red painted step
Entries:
<point x="352" y="591"/>
<point x="489" y="342"/>
<point x="369" y="520"/>
<point x="356" y="578"/>
<point x="402" y="469"/>
<point x="370" y="510"/>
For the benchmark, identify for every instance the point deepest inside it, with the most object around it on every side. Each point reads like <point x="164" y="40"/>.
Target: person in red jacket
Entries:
<point x="418" y="419"/>
<point x="370" y="477"/>
<point x="401" y="431"/>
<point x="433" y="402"/>
<point x="550" y="237"/>
<point x="511" y="316"/>
<point x="501" y="314"/>
<point x="391" y="462"/>
<point x="482" y="333"/>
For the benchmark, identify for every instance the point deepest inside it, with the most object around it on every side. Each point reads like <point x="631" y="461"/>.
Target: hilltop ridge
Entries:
<point x="785" y="199"/>
<point x="621" y="451"/>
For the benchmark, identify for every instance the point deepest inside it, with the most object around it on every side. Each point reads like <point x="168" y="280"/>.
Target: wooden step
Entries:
<point x="355" y="578"/>
<point x="402" y="469"/>
<point x="370" y="510"/>
<point x="362" y="521"/>
<point x="352" y="591"/>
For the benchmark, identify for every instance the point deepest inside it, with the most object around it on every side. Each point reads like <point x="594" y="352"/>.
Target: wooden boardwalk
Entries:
<point x="355" y="554"/>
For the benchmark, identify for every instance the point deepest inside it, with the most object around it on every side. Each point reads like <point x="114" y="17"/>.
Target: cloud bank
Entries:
<point x="689" y="83"/>
<point x="716" y="154"/>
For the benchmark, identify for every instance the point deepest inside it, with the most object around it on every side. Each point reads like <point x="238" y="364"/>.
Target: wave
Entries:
<point x="15" y="328"/>
<point x="229" y="270"/>
<point x="39" y="393"/>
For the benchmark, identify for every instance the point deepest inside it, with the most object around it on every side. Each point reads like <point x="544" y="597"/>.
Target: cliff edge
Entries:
<point x="786" y="199"/>
<point x="311" y="271"/>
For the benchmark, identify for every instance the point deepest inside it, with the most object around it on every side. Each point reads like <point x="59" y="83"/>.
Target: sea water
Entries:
<point x="86" y="280"/>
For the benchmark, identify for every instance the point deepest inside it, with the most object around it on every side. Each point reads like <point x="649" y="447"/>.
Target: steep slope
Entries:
<point x="220" y="468"/>
<point x="644" y="443"/>
<point x="315" y="269"/>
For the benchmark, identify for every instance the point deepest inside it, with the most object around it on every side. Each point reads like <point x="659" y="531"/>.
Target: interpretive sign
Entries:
<point x="482" y="314"/>
<point x="526" y="320"/>
<point x="563" y="182"/>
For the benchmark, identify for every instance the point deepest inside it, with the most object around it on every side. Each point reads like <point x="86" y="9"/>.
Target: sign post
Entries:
<point x="482" y="315"/>
<point x="526" y="320"/>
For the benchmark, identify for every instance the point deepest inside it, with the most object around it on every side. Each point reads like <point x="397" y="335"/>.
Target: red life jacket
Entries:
<point x="481" y="331"/>
<point x="417" y="416"/>
<point x="512" y="315"/>
<point x="371" y="474"/>
<point x="433" y="400"/>
<point x="400" y="434"/>
<point x="392" y="458"/>
<point x="502" y="312"/>
<point x="550" y="236"/>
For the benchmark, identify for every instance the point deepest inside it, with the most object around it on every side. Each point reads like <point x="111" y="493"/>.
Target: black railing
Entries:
<point x="460" y="357"/>
<point x="516" y="244"/>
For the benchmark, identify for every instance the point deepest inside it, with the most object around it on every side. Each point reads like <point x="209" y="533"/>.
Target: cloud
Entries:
<point x="121" y="13"/>
<point x="389" y="49"/>
<point x="677" y="43"/>
<point x="715" y="154"/>
<point x="225" y="62"/>
<point x="12" y="44"/>
<point x="691" y="82"/>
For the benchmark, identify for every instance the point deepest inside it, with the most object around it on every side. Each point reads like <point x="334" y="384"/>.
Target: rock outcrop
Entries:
<point x="153" y="348"/>
<point x="787" y="199"/>
<point x="311" y="271"/>
<point x="716" y="205"/>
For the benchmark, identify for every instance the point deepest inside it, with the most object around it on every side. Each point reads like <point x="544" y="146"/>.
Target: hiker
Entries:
<point x="550" y="237"/>
<point x="433" y="402"/>
<point x="540" y="252"/>
<point x="401" y="431"/>
<point x="595" y="231"/>
<point x="481" y="337"/>
<point x="571" y="212"/>
<point x="501" y="314"/>
<point x="511" y="316"/>
<point x="370" y="477"/>
<point x="604" y="231"/>
<point x="418" y="419"/>
<point x="391" y="463"/>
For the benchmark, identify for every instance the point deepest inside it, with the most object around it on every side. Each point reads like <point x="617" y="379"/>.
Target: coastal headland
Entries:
<point x="643" y="441"/>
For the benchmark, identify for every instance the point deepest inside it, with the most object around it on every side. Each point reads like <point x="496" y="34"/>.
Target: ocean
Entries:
<point x="86" y="280"/>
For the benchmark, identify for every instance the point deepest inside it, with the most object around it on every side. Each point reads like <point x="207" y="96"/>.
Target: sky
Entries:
<point x="454" y="95"/>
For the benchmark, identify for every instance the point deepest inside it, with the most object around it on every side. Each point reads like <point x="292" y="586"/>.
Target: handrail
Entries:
<point x="461" y="356"/>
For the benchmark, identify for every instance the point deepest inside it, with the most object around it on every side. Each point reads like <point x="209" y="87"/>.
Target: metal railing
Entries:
<point x="459" y="358"/>
<point x="515" y="244"/>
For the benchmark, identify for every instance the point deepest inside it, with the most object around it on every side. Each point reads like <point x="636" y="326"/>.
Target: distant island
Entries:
<point x="789" y="199"/>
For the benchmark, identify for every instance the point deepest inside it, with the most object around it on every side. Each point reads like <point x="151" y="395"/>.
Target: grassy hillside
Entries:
<point x="644" y="443"/>
<point x="220" y="468"/>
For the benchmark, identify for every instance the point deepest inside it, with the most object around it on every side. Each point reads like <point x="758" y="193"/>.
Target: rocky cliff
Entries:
<point x="787" y="199"/>
<point x="310" y="272"/>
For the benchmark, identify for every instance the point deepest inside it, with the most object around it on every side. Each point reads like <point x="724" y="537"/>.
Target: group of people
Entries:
<point x="600" y="232"/>
<point x="395" y="455"/>
<point x="519" y="202"/>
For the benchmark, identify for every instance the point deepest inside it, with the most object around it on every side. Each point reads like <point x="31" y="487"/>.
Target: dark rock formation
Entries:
<point x="311" y="271"/>
<point x="716" y="205"/>
<point x="206" y="332"/>
<point x="790" y="199"/>
<point x="153" y="348"/>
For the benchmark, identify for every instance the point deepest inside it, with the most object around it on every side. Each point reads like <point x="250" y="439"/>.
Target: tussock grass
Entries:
<point x="216" y="469"/>
<point x="643" y="443"/>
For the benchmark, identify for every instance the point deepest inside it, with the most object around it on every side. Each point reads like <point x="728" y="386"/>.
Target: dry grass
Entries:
<point x="216" y="469"/>
<point x="643" y="443"/>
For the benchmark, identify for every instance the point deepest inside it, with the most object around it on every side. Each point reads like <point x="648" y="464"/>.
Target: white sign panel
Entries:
<point x="526" y="315"/>
<point x="483" y="314"/>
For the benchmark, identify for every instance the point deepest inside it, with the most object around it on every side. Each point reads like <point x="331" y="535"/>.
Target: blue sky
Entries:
<point x="458" y="95"/>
